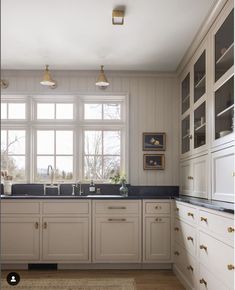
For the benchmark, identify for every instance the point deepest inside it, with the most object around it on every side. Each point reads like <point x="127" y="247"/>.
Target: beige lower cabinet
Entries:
<point x="156" y="231"/>
<point x="116" y="231"/>
<point x="19" y="238"/>
<point x="65" y="239"/>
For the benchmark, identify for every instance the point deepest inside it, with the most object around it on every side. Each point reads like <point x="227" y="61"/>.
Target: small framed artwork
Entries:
<point x="154" y="161"/>
<point x="154" y="141"/>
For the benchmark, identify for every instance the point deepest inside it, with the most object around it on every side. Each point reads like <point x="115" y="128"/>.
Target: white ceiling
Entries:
<point x="78" y="34"/>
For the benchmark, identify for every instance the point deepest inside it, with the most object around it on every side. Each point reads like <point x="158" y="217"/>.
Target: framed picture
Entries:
<point x="154" y="141"/>
<point x="154" y="161"/>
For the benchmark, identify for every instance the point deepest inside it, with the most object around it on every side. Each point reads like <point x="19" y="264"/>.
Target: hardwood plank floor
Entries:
<point x="145" y="279"/>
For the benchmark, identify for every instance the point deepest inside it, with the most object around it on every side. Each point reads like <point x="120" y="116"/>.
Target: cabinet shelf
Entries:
<point x="185" y="99"/>
<point x="200" y="83"/>
<point x="225" y="111"/>
<point x="226" y="57"/>
<point x="200" y="127"/>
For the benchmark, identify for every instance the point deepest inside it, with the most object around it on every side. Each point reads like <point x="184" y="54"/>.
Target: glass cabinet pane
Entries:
<point x="200" y="125"/>
<point x="224" y="46"/>
<point x="185" y="135"/>
<point x="185" y="93"/>
<point x="200" y="77"/>
<point x="224" y="109"/>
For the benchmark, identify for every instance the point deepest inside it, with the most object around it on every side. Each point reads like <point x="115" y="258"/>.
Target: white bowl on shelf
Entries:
<point x="224" y="133"/>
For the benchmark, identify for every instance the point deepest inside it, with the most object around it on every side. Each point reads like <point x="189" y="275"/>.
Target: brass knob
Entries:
<point x="176" y="229"/>
<point x="158" y="219"/>
<point x="190" y="268"/>
<point x="36" y="225"/>
<point x="202" y="247"/>
<point x="176" y="253"/>
<point x="45" y="225"/>
<point x="203" y="219"/>
<point x="231" y="230"/>
<point x="202" y="281"/>
<point x="230" y="267"/>
<point x="158" y="207"/>
<point x="190" y="238"/>
<point x="190" y="214"/>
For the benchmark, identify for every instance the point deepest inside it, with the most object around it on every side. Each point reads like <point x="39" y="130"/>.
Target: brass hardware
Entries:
<point x="202" y="247"/>
<point x="176" y="253"/>
<point x="231" y="230"/>
<point x="202" y="281"/>
<point x="189" y="177"/>
<point x="230" y="267"/>
<point x="116" y="207"/>
<point x="190" y="214"/>
<point x="191" y="137"/>
<point x="203" y="219"/>
<point x="158" y="207"/>
<point x="176" y="209"/>
<point x="36" y="225"/>
<point x="116" y="220"/>
<point x="158" y="219"/>
<point x="190" y="268"/>
<point x="45" y="225"/>
<point x="176" y="229"/>
<point x="190" y="239"/>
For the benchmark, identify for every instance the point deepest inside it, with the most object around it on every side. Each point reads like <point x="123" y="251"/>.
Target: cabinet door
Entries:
<point x="66" y="239"/>
<point x="223" y="174"/>
<point x="19" y="239"/>
<point x="186" y="184"/>
<point x="200" y="176"/>
<point x="116" y="239"/>
<point x="157" y="239"/>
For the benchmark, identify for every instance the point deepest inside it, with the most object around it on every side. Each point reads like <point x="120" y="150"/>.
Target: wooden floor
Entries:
<point x="145" y="279"/>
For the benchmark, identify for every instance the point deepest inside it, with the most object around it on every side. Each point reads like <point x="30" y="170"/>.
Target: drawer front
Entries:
<point x="186" y="236"/>
<point x="219" y="225"/>
<point x="157" y="207"/>
<point x="208" y="281"/>
<point x="81" y="207"/>
<point x="117" y="207"/>
<point x="217" y="257"/>
<point x="186" y="213"/>
<point x="20" y="207"/>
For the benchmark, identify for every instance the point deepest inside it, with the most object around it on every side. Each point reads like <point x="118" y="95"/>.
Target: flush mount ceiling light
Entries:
<point x="118" y="17"/>
<point x="4" y="84"/>
<point x="102" y="81"/>
<point x="47" y="79"/>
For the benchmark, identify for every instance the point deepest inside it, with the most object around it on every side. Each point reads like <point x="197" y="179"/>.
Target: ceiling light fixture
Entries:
<point x="118" y="17"/>
<point x="47" y="79"/>
<point x="4" y="84"/>
<point x="102" y="81"/>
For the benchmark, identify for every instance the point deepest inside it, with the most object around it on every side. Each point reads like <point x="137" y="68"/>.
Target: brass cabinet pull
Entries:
<point x="116" y="220"/>
<point x="202" y="281"/>
<point x="190" y="177"/>
<point x="158" y="219"/>
<point x="116" y="207"/>
<point x="202" y="247"/>
<point x="230" y="267"/>
<point x="36" y="225"/>
<point x="190" y="268"/>
<point x="190" y="214"/>
<point x="176" y="229"/>
<point x="176" y="209"/>
<point x="203" y="219"/>
<point x="158" y="207"/>
<point x="190" y="238"/>
<point x="176" y="253"/>
<point x="231" y="230"/>
<point x="45" y="225"/>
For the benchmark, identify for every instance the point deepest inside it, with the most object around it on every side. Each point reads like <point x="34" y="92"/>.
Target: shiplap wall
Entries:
<point x="153" y="106"/>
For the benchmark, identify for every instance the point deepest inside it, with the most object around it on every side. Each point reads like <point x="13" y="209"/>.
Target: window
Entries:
<point x="82" y="138"/>
<point x="13" y="153"/>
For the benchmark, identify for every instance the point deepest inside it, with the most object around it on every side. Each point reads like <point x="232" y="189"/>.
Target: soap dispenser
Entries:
<point x="92" y="187"/>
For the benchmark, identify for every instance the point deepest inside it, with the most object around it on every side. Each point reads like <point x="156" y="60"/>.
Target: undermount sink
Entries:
<point x="104" y="195"/>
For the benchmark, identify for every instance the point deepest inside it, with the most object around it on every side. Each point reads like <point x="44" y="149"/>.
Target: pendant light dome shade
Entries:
<point x="102" y="81"/>
<point x="47" y="79"/>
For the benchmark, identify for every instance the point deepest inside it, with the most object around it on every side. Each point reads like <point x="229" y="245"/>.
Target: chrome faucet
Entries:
<point x="79" y="185"/>
<point x="52" y="173"/>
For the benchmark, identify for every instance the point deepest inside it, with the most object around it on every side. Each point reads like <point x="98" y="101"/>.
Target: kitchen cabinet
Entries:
<point x="116" y="231"/>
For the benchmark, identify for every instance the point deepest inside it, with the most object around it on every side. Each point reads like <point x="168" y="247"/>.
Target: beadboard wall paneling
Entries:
<point x="153" y="106"/>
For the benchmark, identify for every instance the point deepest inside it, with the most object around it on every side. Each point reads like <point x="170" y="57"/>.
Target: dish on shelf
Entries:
<point x="224" y="133"/>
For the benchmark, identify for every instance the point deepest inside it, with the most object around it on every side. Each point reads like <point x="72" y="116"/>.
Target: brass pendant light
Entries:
<point x="102" y="81"/>
<point x="47" y="79"/>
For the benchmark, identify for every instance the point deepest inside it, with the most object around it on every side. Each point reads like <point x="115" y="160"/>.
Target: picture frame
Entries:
<point x="154" y="141"/>
<point x="154" y="161"/>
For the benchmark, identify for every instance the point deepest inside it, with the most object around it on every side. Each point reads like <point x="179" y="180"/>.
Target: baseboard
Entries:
<point x="182" y="278"/>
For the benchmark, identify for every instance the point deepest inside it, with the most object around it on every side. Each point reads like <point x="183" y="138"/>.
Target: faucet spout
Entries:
<point x="50" y="170"/>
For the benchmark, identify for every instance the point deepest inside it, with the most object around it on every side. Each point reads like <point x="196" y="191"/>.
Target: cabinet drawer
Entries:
<point x="208" y="281"/>
<point x="157" y="207"/>
<point x="20" y="207"/>
<point x="186" y="236"/>
<point x="186" y="213"/>
<point x="116" y="207"/>
<point x="80" y="207"/>
<point x="219" y="225"/>
<point x="217" y="257"/>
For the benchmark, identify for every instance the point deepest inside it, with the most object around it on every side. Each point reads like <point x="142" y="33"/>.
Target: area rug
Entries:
<point x="72" y="284"/>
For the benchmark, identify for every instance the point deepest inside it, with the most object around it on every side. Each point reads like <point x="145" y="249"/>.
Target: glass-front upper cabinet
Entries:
<point x="185" y="94"/>
<point x="200" y="77"/>
<point x="224" y="46"/>
<point x="200" y="125"/>
<point x="185" y="133"/>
